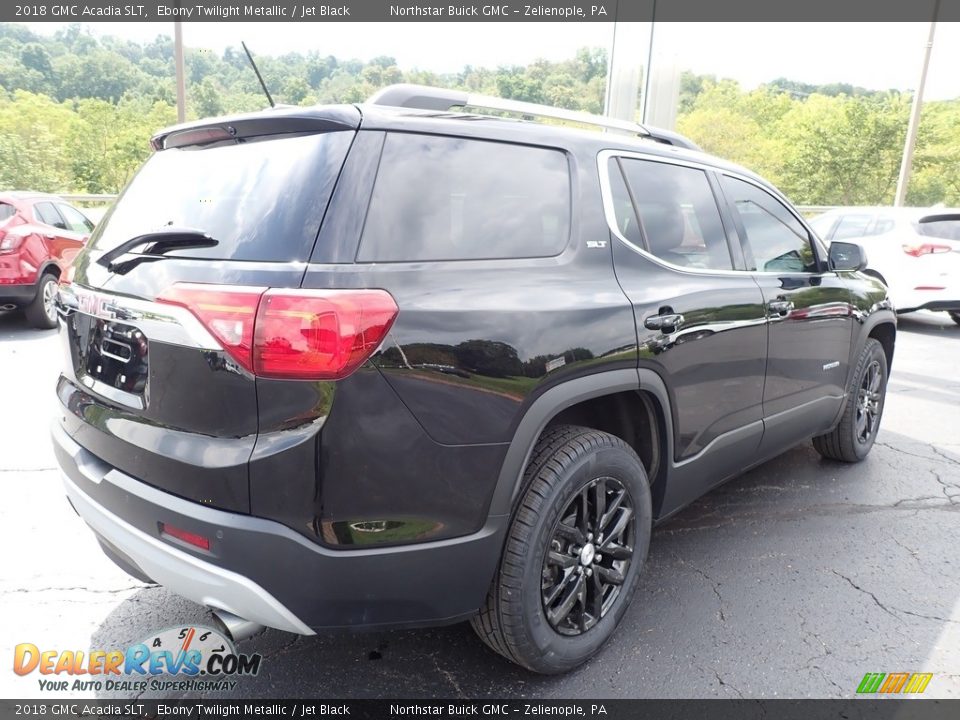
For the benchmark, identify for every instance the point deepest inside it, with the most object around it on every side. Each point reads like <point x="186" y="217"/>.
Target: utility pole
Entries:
<point x="178" y="62"/>
<point x="910" y="145"/>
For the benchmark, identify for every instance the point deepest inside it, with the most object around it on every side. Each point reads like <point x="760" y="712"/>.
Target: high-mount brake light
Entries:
<point x="291" y="334"/>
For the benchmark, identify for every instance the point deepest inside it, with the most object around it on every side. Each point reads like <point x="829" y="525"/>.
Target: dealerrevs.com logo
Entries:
<point x="188" y="658"/>
<point x="894" y="683"/>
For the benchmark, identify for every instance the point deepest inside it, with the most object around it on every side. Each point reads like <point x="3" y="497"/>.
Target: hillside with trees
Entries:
<point x="76" y="112"/>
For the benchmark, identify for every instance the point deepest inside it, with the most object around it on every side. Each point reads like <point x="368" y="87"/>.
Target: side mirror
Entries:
<point x="847" y="257"/>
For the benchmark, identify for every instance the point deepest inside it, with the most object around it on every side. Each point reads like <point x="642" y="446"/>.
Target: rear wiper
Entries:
<point x="162" y="241"/>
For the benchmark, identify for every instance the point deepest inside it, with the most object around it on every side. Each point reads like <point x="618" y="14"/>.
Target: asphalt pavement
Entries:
<point x="793" y="580"/>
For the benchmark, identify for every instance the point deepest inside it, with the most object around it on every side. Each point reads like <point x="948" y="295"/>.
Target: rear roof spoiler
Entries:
<point x="424" y="97"/>
<point x="273" y="121"/>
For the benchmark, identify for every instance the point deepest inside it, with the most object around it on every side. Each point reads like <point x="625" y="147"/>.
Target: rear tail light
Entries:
<point x="227" y="311"/>
<point x="10" y="240"/>
<point x="291" y="334"/>
<point x="926" y="249"/>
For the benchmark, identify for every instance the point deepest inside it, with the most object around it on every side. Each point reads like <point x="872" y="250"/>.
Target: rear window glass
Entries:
<point x="945" y="229"/>
<point x="441" y="198"/>
<point x="261" y="200"/>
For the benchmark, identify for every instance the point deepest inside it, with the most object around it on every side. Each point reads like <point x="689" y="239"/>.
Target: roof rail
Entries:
<point x="424" y="97"/>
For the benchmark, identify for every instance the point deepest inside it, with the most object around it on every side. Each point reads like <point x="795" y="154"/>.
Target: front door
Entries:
<point x="810" y="316"/>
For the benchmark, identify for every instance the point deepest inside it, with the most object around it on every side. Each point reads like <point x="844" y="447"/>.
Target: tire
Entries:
<point x="41" y="312"/>
<point x="852" y="438"/>
<point x="955" y="316"/>
<point x="569" y="464"/>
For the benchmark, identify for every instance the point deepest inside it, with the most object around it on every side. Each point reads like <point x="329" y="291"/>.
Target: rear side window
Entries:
<point x="882" y="225"/>
<point x="443" y="198"/>
<point x="260" y="199"/>
<point x="851" y="226"/>
<point x="822" y="225"/>
<point x="6" y="211"/>
<point x="48" y="215"/>
<point x="678" y="214"/>
<point x="75" y="219"/>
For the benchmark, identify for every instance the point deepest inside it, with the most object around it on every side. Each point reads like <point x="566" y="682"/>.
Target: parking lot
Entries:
<point x="792" y="581"/>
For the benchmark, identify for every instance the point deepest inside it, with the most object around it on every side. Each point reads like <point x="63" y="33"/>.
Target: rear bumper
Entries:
<point x="939" y="295"/>
<point x="263" y="571"/>
<point x="941" y="305"/>
<point x="20" y="294"/>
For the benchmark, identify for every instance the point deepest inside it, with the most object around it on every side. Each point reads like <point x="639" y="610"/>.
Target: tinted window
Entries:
<point x="945" y="228"/>
<point x="440" y="198"/>
<point x="851" y="226"/>
<point x="6" y="211"/>
<point x="882" y="225"/>
<point x="626" y="216"/>
<point x="48" y="215"/>
<point x="775" y="241"/>
<point x="678" y="214"/>
<point x="75" y="219"/>
<point x="261" y="200"/>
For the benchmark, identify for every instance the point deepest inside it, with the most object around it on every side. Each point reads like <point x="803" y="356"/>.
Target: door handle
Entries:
<point x="781" y="306"/>
<point x="666" y="323"/>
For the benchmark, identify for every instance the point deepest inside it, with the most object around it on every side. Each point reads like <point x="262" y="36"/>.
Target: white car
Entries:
<point x="915" y="252"/>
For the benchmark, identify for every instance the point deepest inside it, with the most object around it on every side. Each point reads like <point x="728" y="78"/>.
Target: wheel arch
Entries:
<point x="583" y="401"/>
<point x="50" y="267"/>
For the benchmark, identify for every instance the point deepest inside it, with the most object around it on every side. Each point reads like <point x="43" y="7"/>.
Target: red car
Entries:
<point x="39" y="237"/>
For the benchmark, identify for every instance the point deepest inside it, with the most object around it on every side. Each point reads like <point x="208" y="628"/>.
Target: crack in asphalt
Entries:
<point x="716" y="589"/>
<point x="955" y="497"/>
<point x="24" y="470"/>
<point x="825" y="510"/>
<point x="913" y="553"/>
<point x="449" y="677"/>
<point x="942" y="459"/>
<point x="866" y="592"/>
<point x="723" y="683"/>
<point x="83" y="589"/>
<point x="892" y="611"/>
<point x="942" y="454"/>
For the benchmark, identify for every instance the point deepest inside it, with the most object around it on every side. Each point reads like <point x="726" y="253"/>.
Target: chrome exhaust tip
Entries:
<point x="8" y="306"/>
<point x="234" y="627"/>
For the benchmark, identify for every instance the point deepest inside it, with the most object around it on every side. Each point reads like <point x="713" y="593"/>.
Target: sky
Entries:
<point x="876" y="56"/>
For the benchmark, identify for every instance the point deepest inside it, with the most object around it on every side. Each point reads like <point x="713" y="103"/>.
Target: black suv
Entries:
<point x="383" y="366"/>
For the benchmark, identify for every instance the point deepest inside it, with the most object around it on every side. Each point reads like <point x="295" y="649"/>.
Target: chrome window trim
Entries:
<point x="158" y="321"/>
<point x="606" y="193"/>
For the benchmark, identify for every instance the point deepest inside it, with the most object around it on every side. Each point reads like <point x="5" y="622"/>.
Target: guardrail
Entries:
<point x="90" y="199"/>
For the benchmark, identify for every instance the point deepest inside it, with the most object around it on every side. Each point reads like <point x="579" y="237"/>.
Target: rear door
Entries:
<point x="700" y="319"/>
<point x="148" y="388"/>
<point x="810" y="314"/>
<point x="59" y="239"/>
